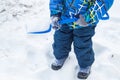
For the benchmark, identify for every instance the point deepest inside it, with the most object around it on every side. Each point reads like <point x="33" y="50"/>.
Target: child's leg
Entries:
<point x="83" y="46"/>
<point x="62" y="42"/>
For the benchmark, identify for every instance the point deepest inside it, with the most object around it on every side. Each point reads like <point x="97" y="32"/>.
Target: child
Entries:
<point x="75" y="21"/>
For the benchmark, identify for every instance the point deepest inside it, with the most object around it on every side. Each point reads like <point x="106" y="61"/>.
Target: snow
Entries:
<point x="28" y="57"/>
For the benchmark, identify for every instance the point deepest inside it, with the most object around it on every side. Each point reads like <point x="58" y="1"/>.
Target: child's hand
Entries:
<point x="81" y="21"/>
<point x="54" y="22"/>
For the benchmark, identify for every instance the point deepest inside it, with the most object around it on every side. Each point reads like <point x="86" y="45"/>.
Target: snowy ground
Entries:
<point x="28" y="57"/>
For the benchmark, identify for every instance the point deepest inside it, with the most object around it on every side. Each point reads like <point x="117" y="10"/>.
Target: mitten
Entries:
<point x="81" y="22"/>
<point x="54" y="22"/>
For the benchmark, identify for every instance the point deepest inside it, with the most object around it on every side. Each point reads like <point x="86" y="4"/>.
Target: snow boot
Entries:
<point x="84" y="73"/>
<point x="57" y="64"/>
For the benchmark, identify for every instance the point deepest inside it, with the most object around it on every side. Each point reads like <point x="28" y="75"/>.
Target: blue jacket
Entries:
<point x="68" y="10"/>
